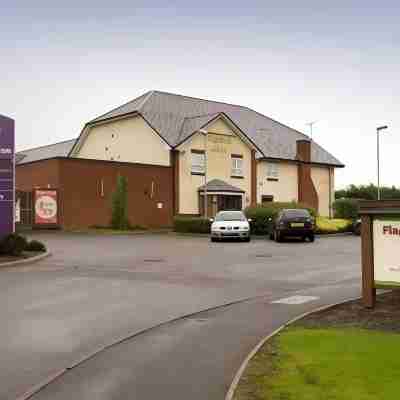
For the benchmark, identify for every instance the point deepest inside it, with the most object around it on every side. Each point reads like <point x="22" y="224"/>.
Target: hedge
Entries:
<point x="192" y="225"/>
<point x="326" y="226"/>
<point x="346" y="208"/>
<point x="263" y="215"/>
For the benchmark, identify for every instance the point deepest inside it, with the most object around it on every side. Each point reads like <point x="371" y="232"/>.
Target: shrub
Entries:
<point x="13" y="244"/>
<point x="35" y="245"/>
<point x="119" y="218"/>
<point x="261" y="219"/>
<point x="263" y="215"/>
<point x="346" y="208"/>
<point x="192" y="225"/>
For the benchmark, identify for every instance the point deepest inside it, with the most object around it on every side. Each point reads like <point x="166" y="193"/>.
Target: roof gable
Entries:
<point x="192" y="126"/>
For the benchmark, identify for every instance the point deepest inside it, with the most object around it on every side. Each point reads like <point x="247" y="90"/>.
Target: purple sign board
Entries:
<point x="7" y="175"/>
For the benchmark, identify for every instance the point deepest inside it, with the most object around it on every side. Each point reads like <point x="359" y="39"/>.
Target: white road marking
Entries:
<point x="296" y="300"/>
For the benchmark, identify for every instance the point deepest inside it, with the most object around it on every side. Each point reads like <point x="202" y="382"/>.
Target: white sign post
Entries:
<point x="386" y="251"/>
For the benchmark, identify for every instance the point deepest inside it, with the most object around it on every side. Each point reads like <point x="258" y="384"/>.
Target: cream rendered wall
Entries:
<point x="320" y="178"/>
<point x="126" y="140"/>
<point x="285" y="189"/>
<point x="221" y="143"/>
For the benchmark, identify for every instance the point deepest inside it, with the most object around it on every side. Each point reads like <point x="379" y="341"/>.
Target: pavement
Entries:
<point x="97" y="290"/>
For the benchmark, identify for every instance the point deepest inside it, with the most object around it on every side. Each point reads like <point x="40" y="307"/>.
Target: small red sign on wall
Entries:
<point x="46" y="207"/>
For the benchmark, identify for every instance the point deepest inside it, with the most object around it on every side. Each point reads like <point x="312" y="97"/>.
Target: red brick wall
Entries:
<point x="175" y="173"/>
<point x="79" y="184"/>
<point x="307" y="193"/>
<point x="253" y="178"/>
<point x="37" y="174"/>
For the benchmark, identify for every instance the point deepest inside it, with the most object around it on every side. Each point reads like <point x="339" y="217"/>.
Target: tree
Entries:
<point x="367" y="192"/>
<point x="119" y="218"/>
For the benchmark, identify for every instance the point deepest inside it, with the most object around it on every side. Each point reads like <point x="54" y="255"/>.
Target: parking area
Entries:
<point x="98" y="289"/>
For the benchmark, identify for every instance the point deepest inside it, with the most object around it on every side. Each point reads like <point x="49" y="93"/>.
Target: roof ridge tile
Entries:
<point x="197" y="98"/>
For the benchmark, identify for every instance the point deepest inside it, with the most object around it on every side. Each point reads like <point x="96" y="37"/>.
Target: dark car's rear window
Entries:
<point x="296" y="214"/>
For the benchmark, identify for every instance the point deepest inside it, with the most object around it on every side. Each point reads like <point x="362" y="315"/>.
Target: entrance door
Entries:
<point x="229" y="202"/>
<point x="25" y="203"/>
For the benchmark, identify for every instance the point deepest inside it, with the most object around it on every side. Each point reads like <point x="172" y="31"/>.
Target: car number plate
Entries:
<point x="297" y="224"/>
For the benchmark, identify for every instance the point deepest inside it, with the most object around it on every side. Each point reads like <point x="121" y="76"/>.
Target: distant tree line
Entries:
<point x="368" y="192"/>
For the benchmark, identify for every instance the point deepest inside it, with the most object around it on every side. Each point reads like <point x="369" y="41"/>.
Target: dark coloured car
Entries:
<point x="293" y="223"/>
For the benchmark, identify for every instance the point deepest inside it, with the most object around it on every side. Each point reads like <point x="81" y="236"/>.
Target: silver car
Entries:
<point x="230" y="225"/>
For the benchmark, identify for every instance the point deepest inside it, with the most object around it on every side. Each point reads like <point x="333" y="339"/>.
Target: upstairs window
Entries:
<point x="198" y="162"/>
<point x="272" y="171"/>
<point x="237" y="166"/>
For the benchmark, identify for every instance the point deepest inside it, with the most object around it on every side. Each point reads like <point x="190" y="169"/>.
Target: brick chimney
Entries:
<point x="304" y="150"/>
<point x="307" y="193"/>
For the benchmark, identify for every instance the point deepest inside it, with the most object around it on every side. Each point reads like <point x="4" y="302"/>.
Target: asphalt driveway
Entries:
<point x="97" y="290"/>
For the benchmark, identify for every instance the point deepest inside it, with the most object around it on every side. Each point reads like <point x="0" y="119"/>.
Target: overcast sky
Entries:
<point x="62" y="65"/>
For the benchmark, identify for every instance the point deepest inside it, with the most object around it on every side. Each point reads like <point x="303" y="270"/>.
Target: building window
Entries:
<point x="237" y="166"/>
<point x="272" y="171"/>
<point x="267" y="199"/>
<point x="198" y="162"/>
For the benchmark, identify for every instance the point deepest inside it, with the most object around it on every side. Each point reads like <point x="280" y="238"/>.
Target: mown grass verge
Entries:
<point x="329" y="364"/>
<point x="342" y="353"/>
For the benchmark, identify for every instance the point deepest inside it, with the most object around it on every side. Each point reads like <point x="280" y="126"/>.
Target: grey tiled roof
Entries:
<point x="216" y="185"/>
<point x="129" y="107"/>
<point x="176" y="117"/>
<point x="61" y="149"/>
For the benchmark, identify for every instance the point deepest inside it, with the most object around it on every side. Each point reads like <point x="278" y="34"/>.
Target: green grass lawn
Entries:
<point x="332" y="225"/>
<point x="325" y="364"/>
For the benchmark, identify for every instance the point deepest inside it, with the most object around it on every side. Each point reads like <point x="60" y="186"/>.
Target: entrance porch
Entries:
<point x="220" y="197"/>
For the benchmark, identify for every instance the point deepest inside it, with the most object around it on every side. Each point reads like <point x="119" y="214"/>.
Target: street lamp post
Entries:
<point x="380" y="128"/>
<point x="205" y="133"/>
